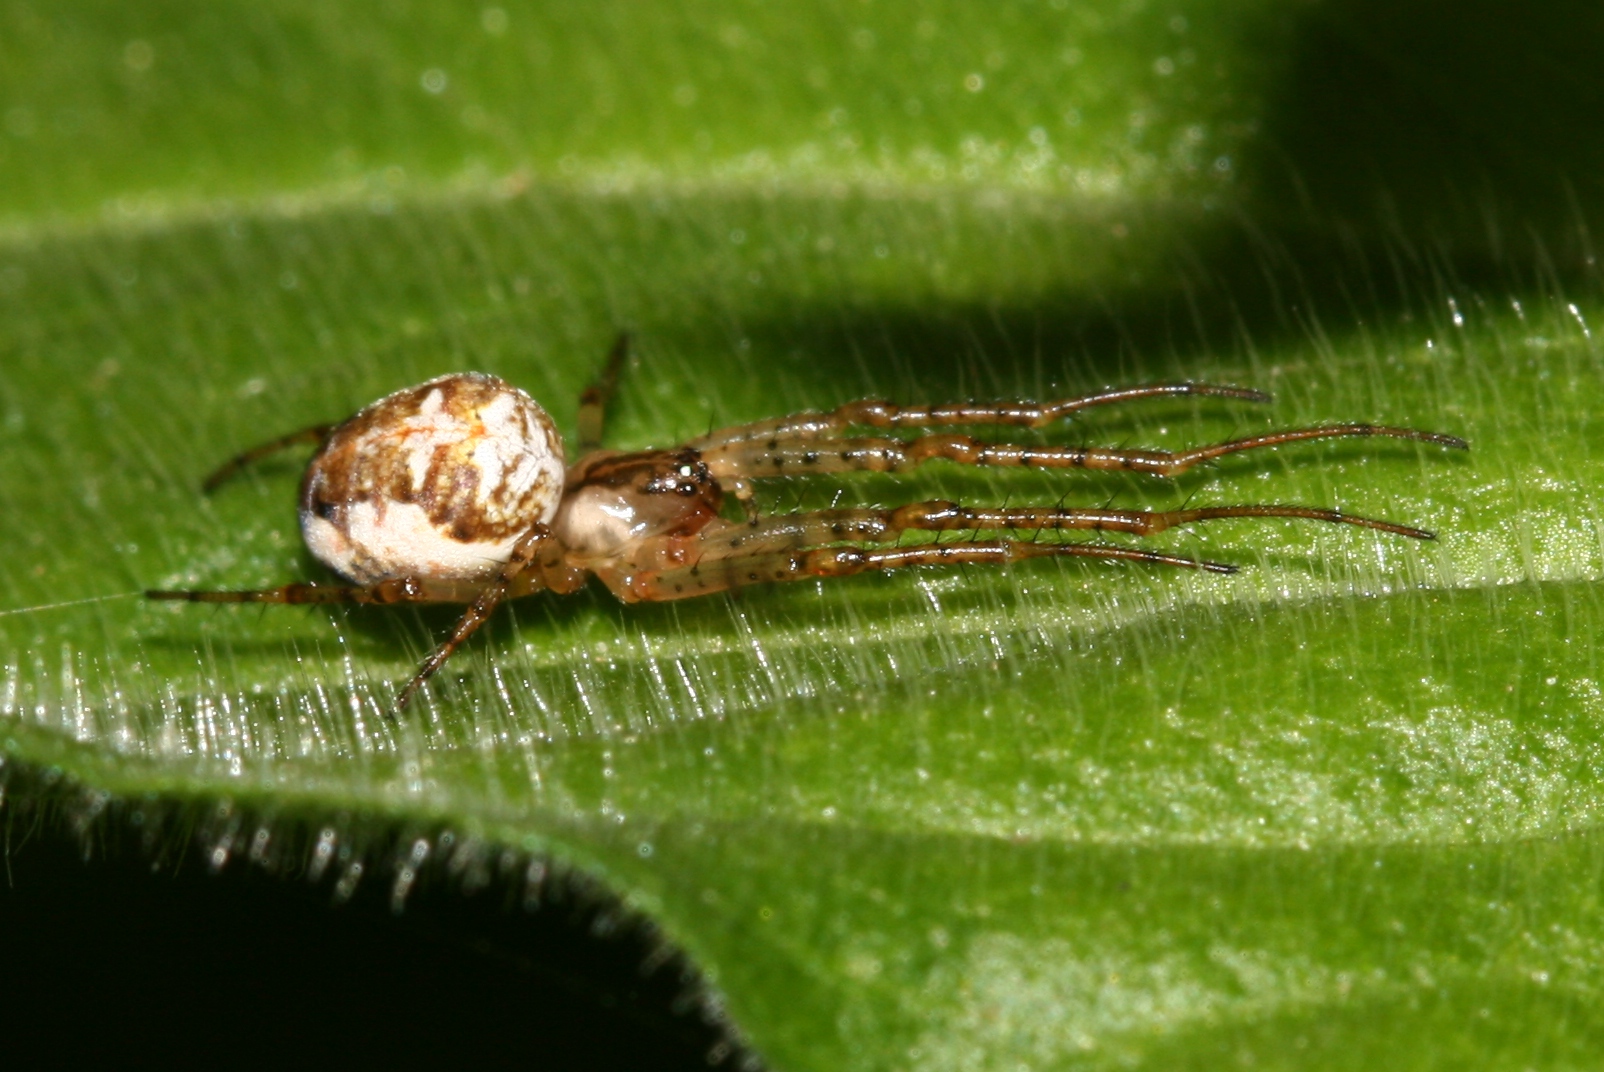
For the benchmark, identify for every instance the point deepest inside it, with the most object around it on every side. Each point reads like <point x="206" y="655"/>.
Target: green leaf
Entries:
<point x="1336" y="810"/>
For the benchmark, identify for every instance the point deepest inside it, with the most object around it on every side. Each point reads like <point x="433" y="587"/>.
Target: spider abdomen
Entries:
<point x="438" y="480"/>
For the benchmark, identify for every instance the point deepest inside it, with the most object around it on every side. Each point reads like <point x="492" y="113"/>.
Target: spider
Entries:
<point x="457" y="491"/>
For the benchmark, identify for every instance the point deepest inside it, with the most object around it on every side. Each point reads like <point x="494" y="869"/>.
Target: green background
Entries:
<point x="1334" y="811"/>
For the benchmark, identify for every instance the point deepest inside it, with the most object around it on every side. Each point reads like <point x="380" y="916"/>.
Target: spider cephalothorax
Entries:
<point x="455" y="491"/>
<point x="615" y="500"/>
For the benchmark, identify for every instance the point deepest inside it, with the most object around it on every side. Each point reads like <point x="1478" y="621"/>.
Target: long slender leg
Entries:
<point x="876" y="413"/>
<point x="793" y="532"/>
<point x="799" y="533"/>
<point x="753" y="459"/>
<point x="401" y="590"/>
<point x="593" y="402"/>
<point x="527" y="554"/>
<point x="771" y="567"/>
<point x="317" y="434"/>
<point x="482" y="598"/>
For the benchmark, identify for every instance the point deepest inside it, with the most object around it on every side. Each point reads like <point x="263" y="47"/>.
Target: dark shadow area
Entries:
<point x="1417" y="152"/>
<point x="113" y="961"/>
<point x="1430" y="116"/>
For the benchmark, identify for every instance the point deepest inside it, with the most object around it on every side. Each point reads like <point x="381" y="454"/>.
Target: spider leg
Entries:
<point x="593" y="402"/>
<point x="764" y="567"/>
<point x="523" y="573"/>
<point x="771" y="458"/>
<point x="400" y="590"/>
<point x="728" y="554"/>
<point x="876" y="413"/>
<point x="316" y="434"/>
<point x="796" y="532"/>
<point x="530" y="567"/>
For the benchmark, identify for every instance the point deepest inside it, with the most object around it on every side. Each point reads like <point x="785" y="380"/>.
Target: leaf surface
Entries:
<point x="1335" y="810"/>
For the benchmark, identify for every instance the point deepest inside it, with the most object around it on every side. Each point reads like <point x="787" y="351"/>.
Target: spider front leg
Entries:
<point x="769" y="567"/>
<point x="796" y="532"/>
<point x="729" y="554"/>
<point x="748" y="459"/>
<point x="876" y="413"/>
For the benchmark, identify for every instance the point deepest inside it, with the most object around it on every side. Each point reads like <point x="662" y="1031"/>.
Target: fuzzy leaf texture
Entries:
<point x="1334" y="811"/>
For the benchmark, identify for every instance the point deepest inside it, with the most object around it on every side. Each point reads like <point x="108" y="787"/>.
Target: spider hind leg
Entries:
<point x="318" y="434"/>
<point x="398" y="590"/>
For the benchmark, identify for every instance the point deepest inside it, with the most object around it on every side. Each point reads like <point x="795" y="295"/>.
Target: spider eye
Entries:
<point x="686" y="471"/>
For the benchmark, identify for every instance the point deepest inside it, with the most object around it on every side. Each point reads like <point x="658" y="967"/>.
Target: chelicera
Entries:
<point x="458" y="491"/>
